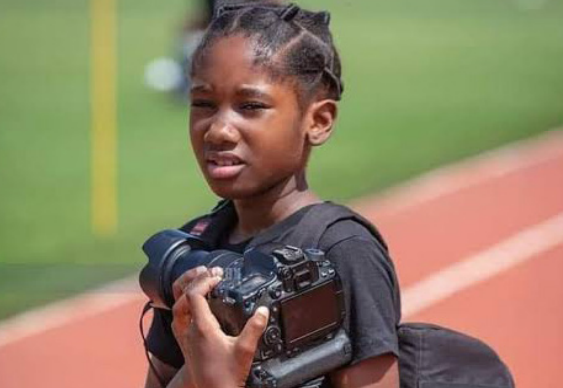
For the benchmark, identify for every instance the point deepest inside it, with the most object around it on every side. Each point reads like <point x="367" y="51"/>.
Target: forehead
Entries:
<point x="230" y="62"/>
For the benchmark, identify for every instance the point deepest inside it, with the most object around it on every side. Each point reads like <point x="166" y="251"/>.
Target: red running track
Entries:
<point x="519" y="311"/>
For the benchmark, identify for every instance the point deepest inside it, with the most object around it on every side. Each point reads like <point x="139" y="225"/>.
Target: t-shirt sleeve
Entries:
<point x="161" y="342"/>
<point x="371" y="290"/>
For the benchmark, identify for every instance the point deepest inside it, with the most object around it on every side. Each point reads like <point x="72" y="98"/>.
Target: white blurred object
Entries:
<point x="164" y="74"/>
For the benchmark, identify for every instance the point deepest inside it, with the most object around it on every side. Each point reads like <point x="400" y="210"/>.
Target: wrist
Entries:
<point x="187" y="381"/>
<point x="217" y="381"/>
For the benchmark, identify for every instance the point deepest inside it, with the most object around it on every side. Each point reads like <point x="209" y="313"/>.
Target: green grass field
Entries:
<point x="427" y="82"/>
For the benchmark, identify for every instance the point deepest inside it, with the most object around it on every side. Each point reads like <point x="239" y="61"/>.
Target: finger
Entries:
<point x="181" y="315"/>
<point x="248" y="339"/>
<point x="199" y="308"/>
<point x="185" y="279"/>
<point x="181" y="309"/>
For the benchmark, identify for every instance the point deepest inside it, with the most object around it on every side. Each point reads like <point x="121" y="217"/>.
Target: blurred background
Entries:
<point x="427" y="82"/>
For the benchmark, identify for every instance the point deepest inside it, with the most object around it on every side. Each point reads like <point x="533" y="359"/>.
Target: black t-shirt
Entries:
<point x="368" y="278"/>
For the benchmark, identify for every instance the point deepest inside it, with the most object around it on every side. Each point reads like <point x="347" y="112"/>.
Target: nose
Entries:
<point x="221" y="132"/>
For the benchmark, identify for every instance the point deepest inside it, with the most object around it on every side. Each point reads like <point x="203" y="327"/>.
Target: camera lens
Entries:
<point x="171" y="253"/>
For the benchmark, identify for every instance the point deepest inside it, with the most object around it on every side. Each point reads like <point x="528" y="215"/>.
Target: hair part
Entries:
<point x="292" y="44"/>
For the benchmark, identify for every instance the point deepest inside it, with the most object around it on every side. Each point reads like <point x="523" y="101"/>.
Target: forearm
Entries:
<point x="181" y="380"/>
<point x="162" y="375"/>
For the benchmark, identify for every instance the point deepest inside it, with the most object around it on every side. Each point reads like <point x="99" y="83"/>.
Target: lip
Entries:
<point x="223" y="165"/>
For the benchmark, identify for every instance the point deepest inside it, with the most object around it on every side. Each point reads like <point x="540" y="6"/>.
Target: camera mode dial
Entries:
<point x="289" y="255"/>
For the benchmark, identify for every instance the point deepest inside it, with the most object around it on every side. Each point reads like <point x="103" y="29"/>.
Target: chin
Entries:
<point x="228" y="190"/>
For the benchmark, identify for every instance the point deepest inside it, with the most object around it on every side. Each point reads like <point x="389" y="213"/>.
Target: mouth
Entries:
<point x="223" y="165"/>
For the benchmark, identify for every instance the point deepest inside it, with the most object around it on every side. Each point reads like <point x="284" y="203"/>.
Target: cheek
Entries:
<point x="285" y="131"/>
<point x="291" y="139"/>
<point x="280" y="151"/>
<point x="196" y="138"/>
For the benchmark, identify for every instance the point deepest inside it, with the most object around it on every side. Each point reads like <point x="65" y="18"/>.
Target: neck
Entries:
<point x="266" y="209"/>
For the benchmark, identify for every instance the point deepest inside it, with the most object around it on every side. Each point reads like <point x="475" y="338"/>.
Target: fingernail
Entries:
<point x="263" y="311"/>
<point x="217" y="271"/>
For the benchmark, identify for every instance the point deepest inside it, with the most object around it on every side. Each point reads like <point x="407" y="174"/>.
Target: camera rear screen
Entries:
<point x="310" y="313"/>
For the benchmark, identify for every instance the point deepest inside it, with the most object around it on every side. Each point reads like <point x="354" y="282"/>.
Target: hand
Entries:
<point x="213" y="359"/>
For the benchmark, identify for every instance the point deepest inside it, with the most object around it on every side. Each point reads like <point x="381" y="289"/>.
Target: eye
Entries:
<point x="202" y="104"/>
<point x="253" y="106"/>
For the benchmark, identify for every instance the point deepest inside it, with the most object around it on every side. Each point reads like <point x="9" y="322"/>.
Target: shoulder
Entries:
<point x="343" y="230"/>
<point x="349" y="243"/>
<point x="348" y="228"/>
<point x="358" y="252"/>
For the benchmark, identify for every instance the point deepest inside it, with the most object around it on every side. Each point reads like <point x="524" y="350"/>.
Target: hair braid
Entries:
<point x="287" y="40"/>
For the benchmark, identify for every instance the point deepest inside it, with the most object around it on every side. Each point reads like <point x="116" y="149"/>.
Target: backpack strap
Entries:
<point x="323" y="216"/>
<point x="312" y="226"/>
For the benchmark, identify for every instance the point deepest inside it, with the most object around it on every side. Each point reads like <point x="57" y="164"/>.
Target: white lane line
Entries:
<point x="467" y="173"/>
<point x="528" y="244"/>
<point x="82" y="306"/>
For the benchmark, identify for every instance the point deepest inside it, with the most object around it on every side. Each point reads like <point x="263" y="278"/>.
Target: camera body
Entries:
<point x="301" y="289"/>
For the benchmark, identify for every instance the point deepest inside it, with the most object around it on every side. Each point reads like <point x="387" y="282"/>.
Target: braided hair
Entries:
<point x="287" y="41"/>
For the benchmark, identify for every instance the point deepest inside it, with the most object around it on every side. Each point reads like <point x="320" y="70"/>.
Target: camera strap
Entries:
<point x="210" y="227"/>
<point x="146" y="308"/>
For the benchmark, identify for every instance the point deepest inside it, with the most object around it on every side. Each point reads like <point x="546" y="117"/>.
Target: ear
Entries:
<point x="322" y="115"/>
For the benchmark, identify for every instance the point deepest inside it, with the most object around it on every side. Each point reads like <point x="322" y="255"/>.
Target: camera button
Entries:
<point x="275" y="293"/>
<point x="272" y="336"/>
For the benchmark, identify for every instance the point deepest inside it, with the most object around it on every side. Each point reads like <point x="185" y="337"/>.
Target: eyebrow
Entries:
<point x="202" y="88"/>
<point x="252" y="92"/>
<point x="243" y="91"/>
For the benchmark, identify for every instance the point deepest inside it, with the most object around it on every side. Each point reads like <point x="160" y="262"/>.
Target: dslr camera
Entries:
<point x="304" y="338"/>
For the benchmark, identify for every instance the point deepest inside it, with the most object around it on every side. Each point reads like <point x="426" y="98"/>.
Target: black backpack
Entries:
<point x="430" y="356"/>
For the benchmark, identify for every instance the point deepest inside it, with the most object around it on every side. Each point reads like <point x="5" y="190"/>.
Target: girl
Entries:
<point x="266" y="82"/>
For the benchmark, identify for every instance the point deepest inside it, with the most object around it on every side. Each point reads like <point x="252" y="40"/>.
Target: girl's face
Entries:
<point x="247" y="131"/>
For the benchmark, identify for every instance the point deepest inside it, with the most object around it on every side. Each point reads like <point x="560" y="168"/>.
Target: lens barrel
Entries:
<point x="170" y="253"/>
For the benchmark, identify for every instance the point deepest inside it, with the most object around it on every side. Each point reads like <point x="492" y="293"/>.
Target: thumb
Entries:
<point x="253" y="329"/>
